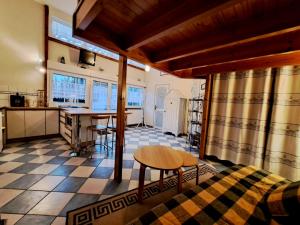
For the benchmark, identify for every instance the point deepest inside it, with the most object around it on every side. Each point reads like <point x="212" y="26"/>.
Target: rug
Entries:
<point x="123" y="208"/>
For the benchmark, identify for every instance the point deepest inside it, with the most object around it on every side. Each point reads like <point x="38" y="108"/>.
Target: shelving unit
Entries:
<point x="195" y="110"/>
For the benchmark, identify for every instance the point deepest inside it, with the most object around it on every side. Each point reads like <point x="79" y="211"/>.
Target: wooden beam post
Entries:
<point x="120" y="118"/>
<point x="205" y="116"/>
<point x="46" y="50"/>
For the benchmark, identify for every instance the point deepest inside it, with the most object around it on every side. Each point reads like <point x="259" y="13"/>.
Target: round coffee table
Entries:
<point x="189" y="161"/>
<point x="160" y="158"/>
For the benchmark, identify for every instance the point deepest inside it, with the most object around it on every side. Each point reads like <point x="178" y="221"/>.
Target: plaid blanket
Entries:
<point x="284" y="203"/>
<point x="234" y="196"/>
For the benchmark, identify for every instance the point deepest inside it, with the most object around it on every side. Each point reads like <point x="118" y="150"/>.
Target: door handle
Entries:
<point x="155" y="107"/>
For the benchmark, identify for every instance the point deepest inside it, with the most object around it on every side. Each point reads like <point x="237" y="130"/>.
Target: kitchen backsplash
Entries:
<point x="6" y="91"/>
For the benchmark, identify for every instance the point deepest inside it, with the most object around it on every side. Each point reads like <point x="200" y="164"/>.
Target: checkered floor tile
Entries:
<point x="40" y="182"/>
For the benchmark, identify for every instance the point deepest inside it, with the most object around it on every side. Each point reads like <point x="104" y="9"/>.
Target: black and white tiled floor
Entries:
<point x="40" y="182"/>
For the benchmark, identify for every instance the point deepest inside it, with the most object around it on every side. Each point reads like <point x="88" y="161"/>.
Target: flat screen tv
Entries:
<point x="87" y="57"/>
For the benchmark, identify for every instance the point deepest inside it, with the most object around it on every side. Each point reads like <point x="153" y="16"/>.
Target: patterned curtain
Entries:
<point x="238" y="115"/>
<point x="283" y="149"/>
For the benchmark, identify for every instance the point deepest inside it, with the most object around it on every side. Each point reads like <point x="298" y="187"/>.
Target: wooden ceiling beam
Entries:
<point x="278" y="60"/>
<point x="109" y="41"/>
<point x="87" y="12"/>
<point x="103" y="38"/>
<point x="245" y="31"/>
<point x="98" y="36"/>
<point x="186" y="13"/>
<point x="281" y="43"/>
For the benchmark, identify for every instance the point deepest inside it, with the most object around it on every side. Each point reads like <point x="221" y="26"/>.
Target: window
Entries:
<point x="100" y="94"/>
<point x="135" y="96"/>
<point x="113" y="98"/>
<point x="68" y="89"/>
<point x="63" y="32"/>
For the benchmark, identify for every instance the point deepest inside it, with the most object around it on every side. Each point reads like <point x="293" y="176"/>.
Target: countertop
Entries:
<point x="29" y="108"/>
<point x="88" y="112"/>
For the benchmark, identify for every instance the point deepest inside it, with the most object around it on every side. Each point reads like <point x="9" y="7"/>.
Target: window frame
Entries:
<point x="143" y="100"/>
<point x="50" y="85"/>
<point x="110" y="99"/>
<point x="114" y="56"/>
<point x="88" y="90"/>
<point x="92" y="93"/>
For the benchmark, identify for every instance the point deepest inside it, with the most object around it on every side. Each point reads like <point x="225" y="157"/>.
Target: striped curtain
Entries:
<point x="283" y="149"/>
<point x="238" y="115"/>
<point x="242" y="103"/>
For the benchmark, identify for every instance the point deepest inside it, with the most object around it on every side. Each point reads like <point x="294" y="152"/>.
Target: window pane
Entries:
<point x="68" y="89"/>
<point x="135" y="96"/>
<point x="63" y="32"/>
<point x="113" y="99"/>
<point x="100" y="94"/>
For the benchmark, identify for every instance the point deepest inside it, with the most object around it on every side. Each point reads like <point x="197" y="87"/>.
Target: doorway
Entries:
<point x="161" y="91"/>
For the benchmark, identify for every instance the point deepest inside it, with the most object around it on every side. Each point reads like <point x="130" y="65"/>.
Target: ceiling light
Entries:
<point x="147" y="68"/>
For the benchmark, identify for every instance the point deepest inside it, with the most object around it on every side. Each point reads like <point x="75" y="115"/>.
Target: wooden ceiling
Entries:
<point x="191" y="38"/>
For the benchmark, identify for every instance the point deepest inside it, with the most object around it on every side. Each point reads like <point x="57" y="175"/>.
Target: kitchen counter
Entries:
<point x="24" y="123"/>
<point x="29" y="108"/>
<point x="88" y="112"/>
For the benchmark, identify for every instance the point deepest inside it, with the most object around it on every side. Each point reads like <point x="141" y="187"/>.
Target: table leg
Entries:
<point x="76" y="150"/>
<point x="197" y="174"/>
<point x="179" y="175"/>
<point x="161" y="180"/>
<point x="141" y="183"/>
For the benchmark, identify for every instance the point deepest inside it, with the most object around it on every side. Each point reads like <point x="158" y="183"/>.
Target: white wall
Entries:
<point x="21" y="47"/>
<point x="153" y="78"/>
<point x="71" y="55"/>
<point x="110" y="68"/>
<point x="21" y="44"/>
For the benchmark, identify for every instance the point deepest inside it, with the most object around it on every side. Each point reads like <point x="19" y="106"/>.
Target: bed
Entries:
<point x="238" y="195"/>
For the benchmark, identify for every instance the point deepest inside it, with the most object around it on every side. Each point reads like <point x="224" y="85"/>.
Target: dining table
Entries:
<point x="77" y="115"/>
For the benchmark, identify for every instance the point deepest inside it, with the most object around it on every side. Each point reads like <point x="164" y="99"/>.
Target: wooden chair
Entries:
<point x="99" y="124"/>
<point x="113" y="128"/>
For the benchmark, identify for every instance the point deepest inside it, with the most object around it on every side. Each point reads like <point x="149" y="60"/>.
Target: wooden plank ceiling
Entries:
<point x="191" y="38"/>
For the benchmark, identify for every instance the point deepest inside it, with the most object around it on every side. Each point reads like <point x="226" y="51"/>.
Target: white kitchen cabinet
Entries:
<point x="35" y="123"/>
<point x="1" y="132"/>
<point x="31" y="122"/>
<point x="174" y="117"/>
<point x="62" y="125"/>
<point x="52" y="122"/>
<point x="62" y="129"/>
<point x="15" y="124"/>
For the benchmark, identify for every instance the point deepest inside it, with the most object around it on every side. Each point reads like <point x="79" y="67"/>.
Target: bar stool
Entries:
<point x="113" y="128"/>
<point x="99" y="124"/>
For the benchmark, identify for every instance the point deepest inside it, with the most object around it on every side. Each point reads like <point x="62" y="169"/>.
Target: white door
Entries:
<point x="161" y="91"/>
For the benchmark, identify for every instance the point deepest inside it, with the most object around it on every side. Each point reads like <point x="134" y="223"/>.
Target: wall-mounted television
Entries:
<point x="87" y="57"/>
